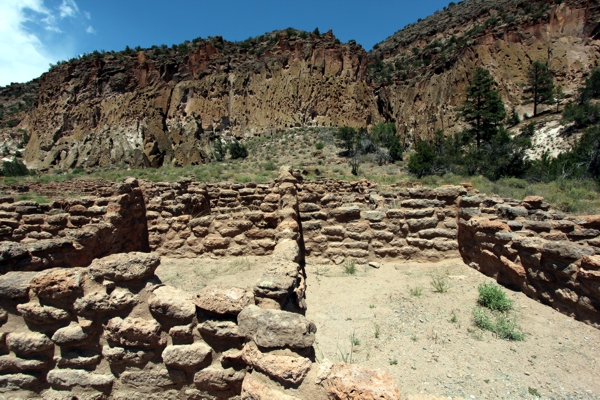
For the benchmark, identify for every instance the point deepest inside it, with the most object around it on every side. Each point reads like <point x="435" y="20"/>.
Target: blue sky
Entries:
<point x="34" y="33"/>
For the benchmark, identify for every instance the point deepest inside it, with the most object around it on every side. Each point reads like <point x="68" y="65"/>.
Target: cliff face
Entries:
<point x="503" y="37"/>
<point x="149" y="111"/>
<point x="161" y="106"/>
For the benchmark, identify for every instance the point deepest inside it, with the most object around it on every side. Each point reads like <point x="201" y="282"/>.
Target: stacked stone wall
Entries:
<point x="72" y="231"/>
<point x="343" y="220"/>
<point x="550" y="256"/>
<point x="187" y="219"/>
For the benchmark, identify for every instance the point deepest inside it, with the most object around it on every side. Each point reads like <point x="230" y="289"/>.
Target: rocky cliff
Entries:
<point x="161" y="106"/>
<point x="420" y="73"/>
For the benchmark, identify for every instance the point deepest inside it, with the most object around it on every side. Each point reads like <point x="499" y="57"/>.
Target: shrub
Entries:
<point x="237" y="150"/>
<point x="440" y="282"/>
<point x="494" y="298"/>
<point x="14" y="168"/>
<point x="320" y="145"/>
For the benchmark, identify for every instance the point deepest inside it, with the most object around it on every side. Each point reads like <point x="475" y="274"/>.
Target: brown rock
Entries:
<point x="272" y="328"/>
<point x="125" y="266"/>
<point x="57" y="283"/>
<point x="167" y="301"/>
<point x="135" y="332"/>
<point x="282" y="368"/>
<point x="214" y="379"/>
<point x="223" y="300"/>
<point x="253" y="389"/>
<point x="352" y="382"/>
<point x="186" y="356"/>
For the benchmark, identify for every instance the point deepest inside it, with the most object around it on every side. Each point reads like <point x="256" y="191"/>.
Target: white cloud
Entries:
<point x="68" y="8"/>
<point x="25" y="50"/>
<point x="87" y="15"/>
<point x="20" y="56"/>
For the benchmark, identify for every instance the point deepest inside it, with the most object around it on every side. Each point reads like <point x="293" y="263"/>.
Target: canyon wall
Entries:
<point x="162" y="106"/>
<point x="424" y="98"/>
<point x="139" y="109"/>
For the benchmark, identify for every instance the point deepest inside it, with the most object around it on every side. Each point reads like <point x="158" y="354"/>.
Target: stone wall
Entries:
<point x="113" y="330"/>
<point x="551" y="257"/>
<point x="186" y="219"/>
<point x="354" y="220"/>
<point x="73" y="231"/>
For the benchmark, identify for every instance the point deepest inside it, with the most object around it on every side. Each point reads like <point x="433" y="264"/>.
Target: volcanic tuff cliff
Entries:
<point x="150" y="107"/>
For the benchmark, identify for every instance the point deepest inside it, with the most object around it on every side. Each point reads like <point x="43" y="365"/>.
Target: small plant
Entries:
<point x="393" y="361"/>
<point x="416" y="291"/>
<point x="414" y="337"/>
<point x="320" y="145"/>
<point x="371" y="305"/>
<point x="534" y="392"/>
<point x="453" y="318"/>
<point x="492" y="297"/>
<point x="503" y="325"/>
<point x="355" y="340"/>
<point x="440" y="282"/>
<point x="350" y="267"/>
<point x="377" y="331"/>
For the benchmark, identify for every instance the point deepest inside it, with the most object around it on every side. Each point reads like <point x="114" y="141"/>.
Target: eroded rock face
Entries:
<point x="14" y="285"/>
<point x="273" y="328"/>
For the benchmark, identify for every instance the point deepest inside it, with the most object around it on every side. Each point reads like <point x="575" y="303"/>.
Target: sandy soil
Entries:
<point x="427" y="342"/>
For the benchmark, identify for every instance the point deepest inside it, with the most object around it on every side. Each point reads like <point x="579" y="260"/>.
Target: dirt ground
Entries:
<point x="392" y="319"/>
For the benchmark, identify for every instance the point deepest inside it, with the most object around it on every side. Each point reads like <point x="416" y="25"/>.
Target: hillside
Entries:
<point x="163" y="105"/>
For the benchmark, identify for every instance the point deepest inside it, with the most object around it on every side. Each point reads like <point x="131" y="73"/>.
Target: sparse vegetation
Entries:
<point x="416" y="291"/>
<point x="350" y="266"/>
<point x="493" y="297"/>
<point x="440" y="282"/>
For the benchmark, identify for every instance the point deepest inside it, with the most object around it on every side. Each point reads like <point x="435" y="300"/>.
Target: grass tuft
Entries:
<point x="494" y="298"/>
<point x="350" y="267"/>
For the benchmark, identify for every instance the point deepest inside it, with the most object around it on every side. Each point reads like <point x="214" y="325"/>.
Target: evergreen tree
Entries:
<point x="483" y="109"/>
<point x="346" y="138"/>
<point x="539" y="88"/>
<point x="219" y="149"/>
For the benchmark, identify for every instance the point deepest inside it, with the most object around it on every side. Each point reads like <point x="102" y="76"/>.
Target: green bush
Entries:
<point x="320" y="145"/>
<point x="503" y="325"/>
<point x="14" y="168"/>
<point x="237" y="150"/>
<point x="494" y="298"/>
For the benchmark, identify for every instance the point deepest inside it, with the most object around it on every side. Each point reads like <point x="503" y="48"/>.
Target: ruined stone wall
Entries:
<point x="339" y="219"/>
<point x="113" y="330"/>
<point x="186" y="219"/>
<point x="354" y="220"/>
<point x="72" y="231"/>
<point x="550" y="256"/>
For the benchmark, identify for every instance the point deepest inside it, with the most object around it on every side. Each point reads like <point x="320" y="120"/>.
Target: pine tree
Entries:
<point x="539" y="88"/>
<point x="483" y="109"/>
<point x="219" y="150"/>
<point x="346" y="138"/>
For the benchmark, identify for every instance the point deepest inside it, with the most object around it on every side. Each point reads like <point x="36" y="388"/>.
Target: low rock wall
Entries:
<point x="186" y="219"/>
<point x="551" y="257"/>
<point x="73" y="231"/>
<point x="354" y="220"/>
